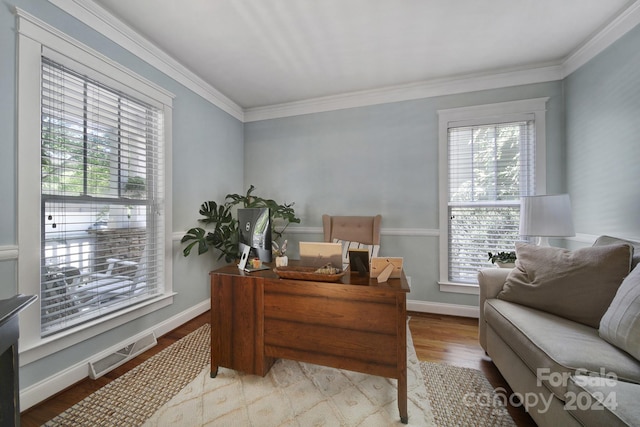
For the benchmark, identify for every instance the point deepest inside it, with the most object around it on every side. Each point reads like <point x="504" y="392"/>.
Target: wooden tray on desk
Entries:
<point x="306" y="273"/>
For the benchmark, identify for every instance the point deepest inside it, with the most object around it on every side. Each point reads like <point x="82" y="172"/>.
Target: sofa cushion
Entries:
<point x="620" y="324"/>
<point x="578" y="285"/>
<point x="603" y="401"/>
<point x="550" y="344"/>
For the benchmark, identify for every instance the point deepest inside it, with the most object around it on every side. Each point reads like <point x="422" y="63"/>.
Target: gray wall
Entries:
<point x="603" y="140"/>
<point x="381" y="159"/>
<point x="378" y="159"/>
<point x="207" y="163"/>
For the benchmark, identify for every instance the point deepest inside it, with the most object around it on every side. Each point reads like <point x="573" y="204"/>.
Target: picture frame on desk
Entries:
<point x="359" y="261"/>
<point x="380" y="264"/>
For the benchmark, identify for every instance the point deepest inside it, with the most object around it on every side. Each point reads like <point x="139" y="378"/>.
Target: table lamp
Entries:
<point x="546" y="216"/>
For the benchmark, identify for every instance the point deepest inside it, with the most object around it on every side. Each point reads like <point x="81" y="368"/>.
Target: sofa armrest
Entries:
<point x="490" y="281"/>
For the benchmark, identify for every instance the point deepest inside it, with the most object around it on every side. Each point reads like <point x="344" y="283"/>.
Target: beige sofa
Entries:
<point x="563" y="372"/>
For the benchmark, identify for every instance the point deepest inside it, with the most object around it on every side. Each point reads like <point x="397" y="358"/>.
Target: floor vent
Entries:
<point x="101" y="366"/>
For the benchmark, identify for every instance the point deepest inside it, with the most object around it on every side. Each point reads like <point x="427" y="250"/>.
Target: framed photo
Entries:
<point x="380" y="264"/>
<point x="359" y="261"/>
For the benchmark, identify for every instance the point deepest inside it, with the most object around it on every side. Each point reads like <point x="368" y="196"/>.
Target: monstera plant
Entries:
<point x="224" y="234"/>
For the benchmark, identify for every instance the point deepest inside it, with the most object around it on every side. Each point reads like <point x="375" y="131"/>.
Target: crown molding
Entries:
<point x="407" y="92"/>
<point x="115" y="30"/>
<point x="617" y="28"/>
<point x="106" y="24"/>
<point x="624" y="22"/>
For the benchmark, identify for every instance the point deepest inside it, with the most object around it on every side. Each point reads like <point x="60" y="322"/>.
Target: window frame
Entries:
<point x="482" y="115"/>
<point x="34" y="39"/>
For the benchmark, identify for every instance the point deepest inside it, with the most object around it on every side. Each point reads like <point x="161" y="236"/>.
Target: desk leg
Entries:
<point x="214" y="372"/>
<point x="402" y="399"/>
<point x="402" y="358"/>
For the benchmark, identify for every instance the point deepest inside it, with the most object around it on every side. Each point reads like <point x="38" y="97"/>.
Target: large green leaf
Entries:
<point x="224" y="235"/>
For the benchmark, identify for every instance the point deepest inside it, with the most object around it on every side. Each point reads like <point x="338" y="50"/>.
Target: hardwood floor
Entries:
<point x="454" y="340"/>
<point x="436" y="338"/>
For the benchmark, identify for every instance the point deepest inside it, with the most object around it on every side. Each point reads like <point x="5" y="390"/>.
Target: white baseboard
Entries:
<point x="46" y="388"/>
<point x="443" y="308"/>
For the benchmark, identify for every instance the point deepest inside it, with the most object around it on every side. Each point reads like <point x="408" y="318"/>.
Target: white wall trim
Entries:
<point x="407" y="92"/>
<point x="411" y="232"/>
<point x="481" y="114"/>
<point x="590" y="239"/>
<point x="459" y="288"/>
<point x="443" y="308"/>
<point x="46" y="388"/>
<point x="12" y="251"/>
<point x="304" y="230"/>
<point x="106" y="24"/>
<point x="8" y="253"/>
<point x="35" y="37"/>
<point x="627" y="20"/>
<point x="30" y="351"/>
<point x="115" y="30"/>
<point x="176" y="236"/>
<point x="583" y="238"/>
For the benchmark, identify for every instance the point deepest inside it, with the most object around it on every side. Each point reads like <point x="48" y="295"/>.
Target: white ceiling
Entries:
<point x="267" y="52"/>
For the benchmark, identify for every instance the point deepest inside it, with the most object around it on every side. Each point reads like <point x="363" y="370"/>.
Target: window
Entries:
<point x="490" y="159"/>
<point x="94" y="191"/>
<point x="100" y="170"/>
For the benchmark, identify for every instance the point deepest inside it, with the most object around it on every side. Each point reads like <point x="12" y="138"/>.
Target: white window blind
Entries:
<point x="102" y="186"/>
<point x="490" y="167"/>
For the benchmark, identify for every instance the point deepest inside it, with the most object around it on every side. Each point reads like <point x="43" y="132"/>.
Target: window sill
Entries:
<point x="459" y="288"/>
<point x="47" y="346"/>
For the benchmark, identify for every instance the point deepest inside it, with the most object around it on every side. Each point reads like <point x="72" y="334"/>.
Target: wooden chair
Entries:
<point x="354" y="232"/>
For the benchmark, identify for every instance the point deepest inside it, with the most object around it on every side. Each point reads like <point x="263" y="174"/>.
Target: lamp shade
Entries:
<point x="546" y="216"/>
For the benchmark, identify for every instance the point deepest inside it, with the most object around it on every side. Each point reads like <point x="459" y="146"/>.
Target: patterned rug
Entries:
<point x="297" y="394"/>
<point x="464" y="397"/>
<point x="173" y="388"/>
<point x="133" y="397"/>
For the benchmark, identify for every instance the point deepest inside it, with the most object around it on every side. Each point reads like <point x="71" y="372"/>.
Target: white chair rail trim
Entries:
<point x="422" y="232"/>
<point x="8" y="253"/>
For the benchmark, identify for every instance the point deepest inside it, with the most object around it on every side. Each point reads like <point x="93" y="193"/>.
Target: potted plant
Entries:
<point x="280" y="252"/>
<point x="224" y="235"/>
<point x="503" y="259"/>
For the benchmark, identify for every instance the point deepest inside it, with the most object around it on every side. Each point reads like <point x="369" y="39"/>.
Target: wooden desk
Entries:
<point x="356" y="324"/>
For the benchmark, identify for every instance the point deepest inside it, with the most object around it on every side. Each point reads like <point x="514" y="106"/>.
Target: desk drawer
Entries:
<point x="344" y="326"/>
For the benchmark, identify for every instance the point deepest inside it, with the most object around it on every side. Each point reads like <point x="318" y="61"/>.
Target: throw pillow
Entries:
<point x="608" y="240"/>
<point x="620" y="325"/>
<point x="577" y="285"/>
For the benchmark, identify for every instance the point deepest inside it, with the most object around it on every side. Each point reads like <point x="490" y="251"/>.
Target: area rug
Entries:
<point x="464" y="397"/>
<point x="133" y="397"/>
<point x="174" y="388"/>
<point x="297" y="394"/>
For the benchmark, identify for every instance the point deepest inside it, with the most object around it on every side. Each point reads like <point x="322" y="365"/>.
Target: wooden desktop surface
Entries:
<point x="356" y="324"/>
